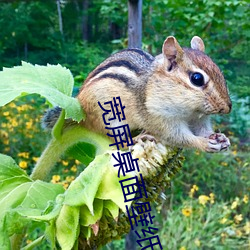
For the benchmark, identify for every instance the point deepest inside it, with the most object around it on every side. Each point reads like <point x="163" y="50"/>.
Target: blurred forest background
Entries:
<point x="208" y="204"/>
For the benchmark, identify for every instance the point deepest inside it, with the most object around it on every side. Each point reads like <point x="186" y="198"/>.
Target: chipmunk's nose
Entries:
<point x="227" y="108"/>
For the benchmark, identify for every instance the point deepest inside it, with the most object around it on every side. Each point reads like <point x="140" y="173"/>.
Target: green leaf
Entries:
<point x="86" y="218"/>
<point x="53" y="82"/>
<point x="9" y="168"/>
<point x="83" y="152"/>
<point x="67" y="226"/>
<point x="110" y="188"/>
<point x="112" y="207"/>
<point x="58" y="127"/>
<point x="39" y="194"/>
<point x="83" y="189"/>
<point x="6" y="186"/>
<point x="34" y="243"/>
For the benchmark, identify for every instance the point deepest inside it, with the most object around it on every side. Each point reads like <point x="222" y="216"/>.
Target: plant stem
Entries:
<point x="57" y="147"/>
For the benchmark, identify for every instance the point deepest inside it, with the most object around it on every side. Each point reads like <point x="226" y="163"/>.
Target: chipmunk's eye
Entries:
<point x="197" y="79"/>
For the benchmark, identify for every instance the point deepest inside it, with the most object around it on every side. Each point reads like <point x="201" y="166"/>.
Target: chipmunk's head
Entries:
<point x="195" y="72"/>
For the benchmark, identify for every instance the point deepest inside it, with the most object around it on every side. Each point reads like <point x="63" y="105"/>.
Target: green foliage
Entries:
<point x="52" y="82"/>
<point x="30" y="32"/>
<point x="204" y="223"/>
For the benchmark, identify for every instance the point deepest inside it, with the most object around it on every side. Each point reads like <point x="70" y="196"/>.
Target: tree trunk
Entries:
<point x="85" y="20"/>
<point x="135" y="23"/>
<point x="130" y="241"/>
<point x="59" y="16"/>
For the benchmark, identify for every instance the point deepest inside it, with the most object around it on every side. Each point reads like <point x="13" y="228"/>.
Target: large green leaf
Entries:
<point x="83" y="189"/>
<point x="22" y="200"/>
<point x="83" y="152"/>
<point x="86" y="218"/>
<point x="67" y="226"/>
<point x="9" y="168"/>
<point x="53" y="82"/>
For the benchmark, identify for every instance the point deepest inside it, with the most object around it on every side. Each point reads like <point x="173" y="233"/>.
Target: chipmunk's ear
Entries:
<point x="197" y="43"/>
<point x="171" y="49"/>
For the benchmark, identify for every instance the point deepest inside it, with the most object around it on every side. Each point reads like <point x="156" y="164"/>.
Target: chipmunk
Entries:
<point x="170" y="96"/>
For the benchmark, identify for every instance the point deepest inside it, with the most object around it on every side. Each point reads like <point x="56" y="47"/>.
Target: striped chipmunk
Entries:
<point x="169" y="97"/>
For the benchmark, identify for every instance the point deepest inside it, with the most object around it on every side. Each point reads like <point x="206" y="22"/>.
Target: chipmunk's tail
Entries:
<point x="50" y="117"/>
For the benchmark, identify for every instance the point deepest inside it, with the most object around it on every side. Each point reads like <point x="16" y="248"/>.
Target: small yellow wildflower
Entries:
<point x="14" y="123"/>
<point x="4" y="134"/>
<point x="55" y="178"/>
<point x="193" y="190"/>
<point x="70" y="178"/>
<point x="77" y="162"/>
<point x="235" y="203"/>
<point x="35" y="159"/>
<point x="203" y="199"/>
<point x="65" y="185"/>
<point x="223" y="220"/>
<point x="211" y="195"/>
<point x="12" y="105"/>
<point x="187" y="211"/>
<point x="24" y="154"/>
<point x="238" y="218"/>
<point x="245" y="198"/>
<point x="183" y="248"/>
<point x="223" y="235"/>
<point x="6" y="113"/>
<point x="65" y="163"/>
<point x="224" y="164"/>
<point x="247" y="227"/>
<point x="29" y="124"/>
<point x="197" y="242"/>
<point x="73" y="168"/>
<point x="23" y="164"/>
<point x="234" y="152"/>
<point x="238" y="233"/>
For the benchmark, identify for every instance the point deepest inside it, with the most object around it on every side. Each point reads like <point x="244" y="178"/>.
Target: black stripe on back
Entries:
<point x="118" y="77"/>
<point x="118" y="63"/>
<point x="142" y="53"/>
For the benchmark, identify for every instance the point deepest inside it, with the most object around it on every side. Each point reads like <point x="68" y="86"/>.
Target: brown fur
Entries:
<point x="158" y="94"/>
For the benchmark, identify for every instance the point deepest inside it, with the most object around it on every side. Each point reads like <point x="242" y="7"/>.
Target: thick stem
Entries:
<point x="57" y="147"/>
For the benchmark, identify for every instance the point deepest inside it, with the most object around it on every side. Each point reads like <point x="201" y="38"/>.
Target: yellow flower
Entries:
<point x="245" y="199"/>
<point x="223" y="235"/>
<point x="247" y="227"/>
<point x="6" y="113"/>
<point x="35" y="159"/>
<point x="24" y="154"/>
<point x="65" y="185"/>
<point x="238" y="218"/>
<point x="14" y="123"/>
<point x="203" y="199"/>
<point x="238" y="233"/>
<point x="193" y="190"/>
<point x="234" y="152"/>
<point x="23" y="164"/>
<point x="224" y="164"/>
<point x="77" y="162"/>
<point x="73" y="168"/>
<point x="65" y="163"/>
<point x="211" y="195"/>
<point x="187" y="211"/>
<point x="70" y="178"/>
<point x="182" y="248"/>
<point x="197" y="242"/>
<point x="235" y="203"/>
<point x="223" y="220"/>
<point x="29" y="124"/>
<point x="55" y="178"/>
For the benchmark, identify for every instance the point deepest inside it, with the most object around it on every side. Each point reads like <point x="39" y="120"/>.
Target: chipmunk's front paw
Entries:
<point x="218" y="142"/>
<point x="143" y="137"/>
